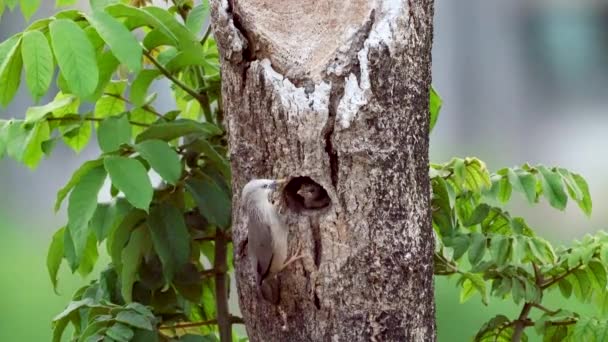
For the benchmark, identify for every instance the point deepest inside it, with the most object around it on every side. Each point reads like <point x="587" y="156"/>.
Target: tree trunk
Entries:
<point x="336" y="91"/>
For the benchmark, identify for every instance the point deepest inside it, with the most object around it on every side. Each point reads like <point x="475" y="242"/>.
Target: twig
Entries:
<point x="556" y="280"/>
<point x="173" y="79"/>
<point x="221" y="294"/>
<point x="540" y="307"/>
<point x="233" y="320"/>
<point x="145" y="107"/>
<point x="207" y="33"/>
<point x="76" y="117"/>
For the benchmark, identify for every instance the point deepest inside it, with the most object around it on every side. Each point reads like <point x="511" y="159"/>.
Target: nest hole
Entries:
<point x="303" y="194"/>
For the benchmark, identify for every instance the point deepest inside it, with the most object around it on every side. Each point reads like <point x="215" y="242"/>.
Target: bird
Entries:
<point x="267" y="234"/>
<point x="313" y="196"/>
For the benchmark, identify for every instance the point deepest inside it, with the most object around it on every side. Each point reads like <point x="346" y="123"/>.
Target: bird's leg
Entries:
<point x="296" y="256"/>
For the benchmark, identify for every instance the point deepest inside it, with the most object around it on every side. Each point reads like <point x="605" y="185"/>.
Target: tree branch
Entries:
<point x="146" y="107"/>
<point x="233" y="320"/>
<point x="540" y="307"/>
<point x="556" y="280"/>
<point x="520" y="323"/>
<point x="76" y="117"/>
<point x="172" y="78"/>
<point x="221" y="288"/>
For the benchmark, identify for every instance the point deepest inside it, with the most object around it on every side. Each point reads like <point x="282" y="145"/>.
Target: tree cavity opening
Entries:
<point x="304" y="194"/>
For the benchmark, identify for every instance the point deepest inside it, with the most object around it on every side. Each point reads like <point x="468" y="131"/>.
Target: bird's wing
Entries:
<point x="260" y="247"/>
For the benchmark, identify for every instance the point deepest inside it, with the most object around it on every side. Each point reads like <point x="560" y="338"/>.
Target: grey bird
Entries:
<point x="267" y="245"/>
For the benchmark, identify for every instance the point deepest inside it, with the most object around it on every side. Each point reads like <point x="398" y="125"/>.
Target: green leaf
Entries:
<point x="565" y="287"/>
<point x="585" y="203"/>
<point x="58" y="328"/>
<point x="108" y="216"/>
<point x="518" y="290"/>
<point x="604" y="253"/>
<point x="584" y="329"/>
<point x="143" y="18"/>
<point x="581" y="284"/>
<point x="434" y="107"/>
<point x="597" y="274"/>
<point x="120" y="332"/>
<point x="504" y="190"/>
<point x="123" y="44"/>
<point x="10" y="69"/>
<point x="460" y="244"/>
<point x="131" y="257"/>
<point x="15" y="136"/>
<point x="162" y="158"/>
<point x="28" y="8"/>
<point x="55" y="256"/>
<point x="478" y="215"/>
<point x="33" y="152"/>
<point x="75" y="179"/>
<point x="500" y="248"/>
<point x="440" y="203"/>
<point x="113" y="132"/>
<point x="75" y="56"/>
<point x="38" y="63"/>
<point x="220" y="162"/>
<point x="170" y="237"/>
<point x="107" y="64"/>
<point x="119" y="236"/>
<point x="553" y="188"/>
<point x="134" y="319"/>
<point x="477" y="248"/>
<point x="34" y="114"/>
<point x="108" y="106"/>
<point x="72" y="307"/>
<point x="78" y="137"/>
<point x="213" y="202"/>
<point x="89" y="257"/>
<point x="523" y="182"/>
<point x="185" y="39"/>
<point x="131" y="178"/>
<point x="3" y="136"/>
<point x="168" y="131"/>
<point x="184" y="59"/>
<point x="63" y="3"/>
<point x="81" y="207"/>
<point x="478" y="284"/>
<point x="467" y="291"/>
<point x="139" y="88"/>
<point x="156" y="38"/>
<point x="496" y="329"/>
<point x="143" y="116"/>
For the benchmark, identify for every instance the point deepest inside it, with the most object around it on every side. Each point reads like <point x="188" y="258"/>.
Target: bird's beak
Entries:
<point x="278" y="182"/>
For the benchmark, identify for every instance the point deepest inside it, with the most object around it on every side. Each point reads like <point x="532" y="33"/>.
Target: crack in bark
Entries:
<point x="248" y="52"/>
<point x="315" y="229"/>
<point x="334" y="164"/>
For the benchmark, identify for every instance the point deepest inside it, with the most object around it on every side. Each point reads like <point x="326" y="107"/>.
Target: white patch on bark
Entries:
<point x="315" y="103"/>
<point x="357" y="93"/>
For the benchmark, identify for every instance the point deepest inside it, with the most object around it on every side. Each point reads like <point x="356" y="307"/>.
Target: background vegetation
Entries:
<point x="476" y="316"/>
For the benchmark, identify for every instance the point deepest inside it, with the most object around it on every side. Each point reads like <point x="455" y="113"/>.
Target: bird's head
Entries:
<point x="310" y="191"/>
<point x="259" y="190"/>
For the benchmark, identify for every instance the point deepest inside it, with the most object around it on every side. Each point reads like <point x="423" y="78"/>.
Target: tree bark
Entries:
<point x="336" y="91"/>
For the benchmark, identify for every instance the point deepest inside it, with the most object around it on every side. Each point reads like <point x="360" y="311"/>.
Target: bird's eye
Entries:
<point x="265" y="186"/>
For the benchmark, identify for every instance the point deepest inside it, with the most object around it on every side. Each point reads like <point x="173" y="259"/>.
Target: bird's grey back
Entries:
<point x="259" y="245"/>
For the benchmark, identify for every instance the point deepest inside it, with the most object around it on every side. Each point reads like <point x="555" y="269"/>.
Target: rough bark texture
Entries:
<point x="336" y="91"/>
